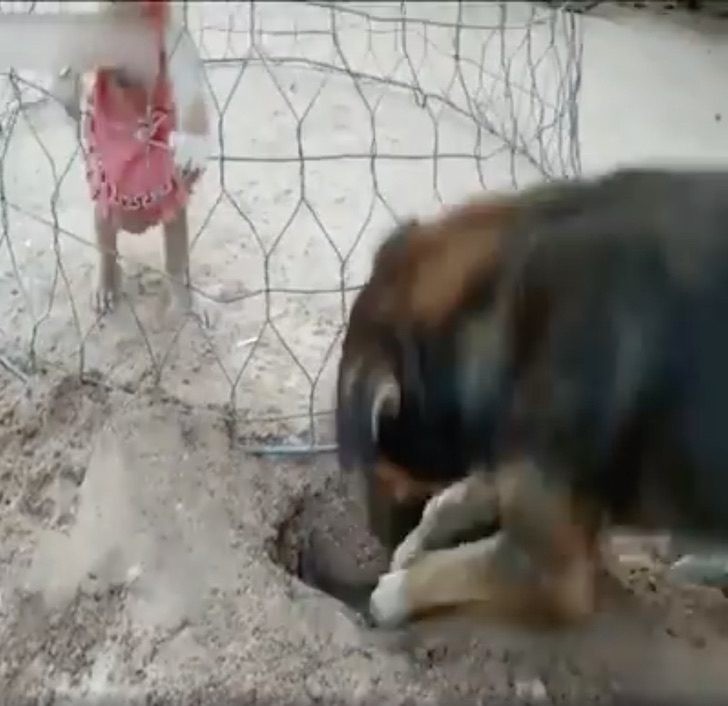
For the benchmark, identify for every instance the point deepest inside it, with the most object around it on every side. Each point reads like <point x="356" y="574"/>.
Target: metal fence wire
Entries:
<point x="333" y="122"/>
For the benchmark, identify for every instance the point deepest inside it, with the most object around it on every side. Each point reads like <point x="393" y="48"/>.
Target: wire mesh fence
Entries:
<point x="333" y="121"/>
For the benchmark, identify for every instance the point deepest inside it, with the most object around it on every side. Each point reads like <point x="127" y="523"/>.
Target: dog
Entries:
<point x="146" y="144"/>
<point x="414" y="460"/>
<point x="554" y="359"/>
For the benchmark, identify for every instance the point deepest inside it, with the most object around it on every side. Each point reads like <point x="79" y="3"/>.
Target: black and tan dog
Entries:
<point x="556" y="360"/>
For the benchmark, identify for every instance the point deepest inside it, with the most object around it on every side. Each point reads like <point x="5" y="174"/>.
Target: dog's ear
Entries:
<point x="368" y="389"/>
<point x="392" y="248"/>
<point x="386" y="402"/>
<point x="364" y="399"/>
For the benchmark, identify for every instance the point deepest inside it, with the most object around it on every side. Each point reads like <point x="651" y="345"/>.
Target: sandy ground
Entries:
<point x="144" y="559"/>
<point x="145" y="555"/>
<point x="280" y="238"/>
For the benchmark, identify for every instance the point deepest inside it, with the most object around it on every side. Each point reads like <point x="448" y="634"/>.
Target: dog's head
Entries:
<point x="425" y="361"/>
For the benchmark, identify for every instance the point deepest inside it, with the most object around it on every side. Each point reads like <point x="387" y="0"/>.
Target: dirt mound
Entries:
<point x="145" y="557"/>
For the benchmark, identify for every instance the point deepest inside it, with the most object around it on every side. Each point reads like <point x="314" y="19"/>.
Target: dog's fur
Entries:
<point x="558" y="355"/>
<point x="184" y="69"/>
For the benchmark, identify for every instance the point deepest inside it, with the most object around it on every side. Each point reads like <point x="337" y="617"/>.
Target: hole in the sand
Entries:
<point x="324" y="542"/>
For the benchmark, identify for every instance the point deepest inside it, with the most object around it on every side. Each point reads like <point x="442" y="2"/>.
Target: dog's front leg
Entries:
<point x="479" y="572"/>
<point x="109" y="273"/>
<point x="539" y="568"/>
<point x="468" y="505"/>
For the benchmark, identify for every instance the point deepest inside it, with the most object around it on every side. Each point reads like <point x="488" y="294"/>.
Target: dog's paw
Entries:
<point x="190" y="152"/>
<point x="701" y="570"/>
<point x="388" y="604"/>
<point x="411" y="547"/>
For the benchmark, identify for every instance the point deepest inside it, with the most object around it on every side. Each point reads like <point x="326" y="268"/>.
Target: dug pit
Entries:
<point x="324" y="541"/>
<point x="177" y="564"/>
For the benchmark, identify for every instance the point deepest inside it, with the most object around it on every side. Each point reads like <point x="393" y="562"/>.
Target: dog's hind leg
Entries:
<point x="703" y="569"/>
<point x="698" y="561"/>
<point x="540" y="568"/>
<point x="467" y="506"/>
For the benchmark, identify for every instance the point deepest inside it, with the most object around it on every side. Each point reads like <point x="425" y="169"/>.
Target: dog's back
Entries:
<point x="634" y="271"/>
<point x="617" y="290"/>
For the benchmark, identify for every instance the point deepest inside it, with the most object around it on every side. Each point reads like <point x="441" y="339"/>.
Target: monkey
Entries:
<point x="145" y="125"/>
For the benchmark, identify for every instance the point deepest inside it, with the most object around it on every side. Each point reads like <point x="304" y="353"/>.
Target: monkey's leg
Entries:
<point x="108" y="285"/>
<point x="176" y="260"/>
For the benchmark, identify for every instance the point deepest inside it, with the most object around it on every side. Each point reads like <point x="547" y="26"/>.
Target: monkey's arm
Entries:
<point x="187" y="80"/>
<point x="79" y="41"/>
<point x="186" y="75"/>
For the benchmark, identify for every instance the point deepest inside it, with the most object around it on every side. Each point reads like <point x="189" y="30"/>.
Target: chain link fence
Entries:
<point x="333" y="121"/>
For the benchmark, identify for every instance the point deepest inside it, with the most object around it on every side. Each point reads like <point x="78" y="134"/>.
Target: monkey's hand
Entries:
<point x="190" y="152"/>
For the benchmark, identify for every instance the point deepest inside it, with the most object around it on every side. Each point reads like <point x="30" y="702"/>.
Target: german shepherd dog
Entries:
<point x="552" y="362"/>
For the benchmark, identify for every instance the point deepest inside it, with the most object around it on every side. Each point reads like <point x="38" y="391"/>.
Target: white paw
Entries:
<point x="190" y="151"/>
<point x="701" y="570"/>
<point x="410" y="548"/>
<point x="388" y="605"/>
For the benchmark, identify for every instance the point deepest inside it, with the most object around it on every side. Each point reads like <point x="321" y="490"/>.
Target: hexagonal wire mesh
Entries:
<point x="334" y="121"/>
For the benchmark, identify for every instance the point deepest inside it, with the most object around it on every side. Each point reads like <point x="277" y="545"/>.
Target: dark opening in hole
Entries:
<point x="326" y="543"/>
